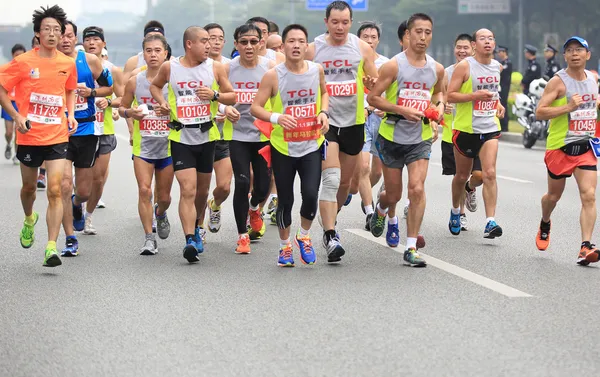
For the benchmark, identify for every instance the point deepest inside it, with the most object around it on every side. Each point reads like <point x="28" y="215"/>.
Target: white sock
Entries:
<point x="489" y="219"/>
<point x="411" y="242"/>
<point x="456" y="211"/>
<point x="393" y="220"/>
<point x="87" y="214"/>
<point x="382" y="211"/>
<point x="284" y="243"/>
<point x="254" y="208"/>
<point x="369" y="209"/>
<point x="302" y="231"/>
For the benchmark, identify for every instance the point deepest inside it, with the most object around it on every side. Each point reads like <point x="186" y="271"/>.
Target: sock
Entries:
<point x="254" y="208"/>
<point x="411" y="243"/>
<point x="30" y="220"/>
<point x="189" y="238"/>
<point x="214" y="206"/>
<point x="456" y="211"/>
<point x="393" y="220"/>
<point x="544" y="225"/>
<point x="284" y="243"/>
<point x="42" y="171"/>
<point x="151" y="237"/>
<point x="302" y="232"/>
<point x="369" y="209"/>
<point x="463" y="215"/>
<point x="51" y="245"/>
<point x="469" y="189"/>
<point x="87" y="214"/>
<point x="381" y="211"/>
<point x="489" y="219"/>
<point x="244" y="235"/>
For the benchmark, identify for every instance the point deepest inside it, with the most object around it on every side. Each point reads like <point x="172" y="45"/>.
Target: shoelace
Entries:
<point x="287" y="252"/>
<point x="306" y="244"/>
<point x="27" y="231"/>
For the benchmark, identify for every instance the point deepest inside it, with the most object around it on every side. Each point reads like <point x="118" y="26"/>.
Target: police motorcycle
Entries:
<point x="524" y="108"/>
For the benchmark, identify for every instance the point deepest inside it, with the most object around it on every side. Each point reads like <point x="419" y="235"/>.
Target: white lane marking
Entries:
<point x="449" y="268"/>
<point x="519" y="180"/>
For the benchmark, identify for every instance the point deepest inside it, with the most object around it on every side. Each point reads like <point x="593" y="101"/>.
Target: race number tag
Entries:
<point x="307" y="127"/>
<point x="81" y="103"/>
<point x="100" y="117"/>
<point x="245" y="97"/>
<point x="154" y="126"/>
<point x="192" y="110"/>
<point x="583" y="122"/>
<point x="595" y="144"/>
<point x="486" y="109"/>
<point x="45" y="108"/>
<point x="417" y="99"/>
<point x="341" y="88"/>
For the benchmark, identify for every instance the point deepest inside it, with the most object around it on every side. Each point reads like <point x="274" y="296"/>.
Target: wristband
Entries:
<point x="274" y="118"/>
<point x="222" y="108"/>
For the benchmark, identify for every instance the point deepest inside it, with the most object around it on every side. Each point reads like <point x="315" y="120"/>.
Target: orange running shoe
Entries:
<point x="542" y="240"/>
<point x="256" y="220"/>
<point x="243" y="245"/>
<point x="588" y="254"/>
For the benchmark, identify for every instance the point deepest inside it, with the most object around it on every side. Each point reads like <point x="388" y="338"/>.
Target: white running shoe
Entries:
<point x="101" y="204"/>
<point x="89" y="227"/>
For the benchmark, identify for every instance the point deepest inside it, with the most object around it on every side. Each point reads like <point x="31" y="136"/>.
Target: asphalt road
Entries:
<point x="481" y="307"/>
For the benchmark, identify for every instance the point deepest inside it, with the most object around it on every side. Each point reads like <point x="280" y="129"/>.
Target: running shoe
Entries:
<point x="454" y="223"/>
<point x="27" y="236"/>
<point x="337" y="234"/>
<point x="377" y="223"/>
<point x="243" y="244"/>
<point x="405" y="212"/>
<point x="150" y="248"/>
<point x="334" y="249"/>
<point x="71" y="247"/>
<point x="463" y="222"/>
<point x="256" y="220"/>
<point x="256" y="235"/>
<point x="199" y="239"/>
<point x="100" y="204"/>
<point x="78" y="218"/>
<point x="16" y="160"/>
<point x="190" y="253"/>
<point x="214" y="217"/>
<point x="492" y="230"/>
<point x="272" y="207"/>
<point x="51" y="258"/>
<point x="588" y="254"/>
<point x="542" y="240"/>
<point x="413" y="259"/>
<point x="8" y="152"/>
<point x="286" y="256"/>
<point x="41" y="181"/>
<point x="348" y="200"/>
<point x="393" y="235"/>
<point x="368" y="222"/>
<point x="89" y="227"/>
<point x="307" y="252"/>
<point x="274" y="217"/>
<point x="471" y="200"/>
<point x="153" y="223"/>
<point x="163" y="227"/>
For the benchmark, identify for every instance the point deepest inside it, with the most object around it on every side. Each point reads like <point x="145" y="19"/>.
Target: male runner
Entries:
<point x="346" y="60"/>
<point x="273" y="28"/>
<point x="94" y="42"/>
<point x="83" y="144"/>
<point x="298" y="94"/>
<point x="413" y="82"/>
<point x="476" y="129"/>
<point x="245" y="73"/>
<point x="570" y="101"/>
<point x="265" y="29"/>
<point x="196" y="85"/>
<point x="462" y="50"/>
<point x="45" y="81"/>
<point x="275" y="43"/>
<point x="222" y="163"/>
<point x="137" y="61"/>
<point x="150" y="141"/>
<point x="17" y="50"/>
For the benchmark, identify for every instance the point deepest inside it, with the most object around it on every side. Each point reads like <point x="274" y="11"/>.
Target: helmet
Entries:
<point x="523" y="105"/>
<point x="536" y="88"/>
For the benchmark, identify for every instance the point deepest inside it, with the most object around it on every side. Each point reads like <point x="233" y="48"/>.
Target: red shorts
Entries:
<point x="561" y="165"/>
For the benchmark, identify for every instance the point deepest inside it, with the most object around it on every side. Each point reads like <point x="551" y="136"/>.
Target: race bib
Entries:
<point x="245" y="97"/>
<point x="192" y="110"/>
<point x="341" y="88"/>
<point x="81" y="103"/>
<point x="100" y="117"/>
<point x="417" y="99"/>
<point x="583" y="121"/>
<point x="45" y="108"/>
<point x="486" y="109"/>
<point x="307" y="127"/>
<point x="154" y="126"/>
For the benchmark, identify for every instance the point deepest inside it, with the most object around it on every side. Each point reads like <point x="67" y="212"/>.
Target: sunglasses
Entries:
<point x="253" y="42"/>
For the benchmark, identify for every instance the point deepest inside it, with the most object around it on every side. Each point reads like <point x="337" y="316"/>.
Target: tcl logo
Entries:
<point x="589" y="97"/>
<point x="336" y="63"/>
<point x="189" y="84"/>
<point x="416" y="85"/>
<point x="301" y="93"/>
<point x="148" y="100"/>
<point x="246" y="85"/>
<point x="489" y="80"/>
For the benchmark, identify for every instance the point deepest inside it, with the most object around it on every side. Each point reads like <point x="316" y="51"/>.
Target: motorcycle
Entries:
<point x="524" y="108"/>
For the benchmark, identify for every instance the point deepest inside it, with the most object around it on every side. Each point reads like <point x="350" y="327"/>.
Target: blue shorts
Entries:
<point x="159" y="163"/>
<point x="371" y="132"/>
<point x="5" y="115"/>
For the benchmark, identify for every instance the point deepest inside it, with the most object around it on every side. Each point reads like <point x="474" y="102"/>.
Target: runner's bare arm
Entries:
<point x="118" y="85"/>
<point x="226" y="93"/>
<point x="387" y="75"/>
<point x="554" y="90"/>
<point x="460" y="75"/>
<point x="310" y="52"/>
<point x="369" y="67"/>
<point x="439" y="90"/>
<point x="160" y="80"/>
<point x="130" y="65"/>
<point x="95" y="65"/>
<point x="266" y="90"/>
<point x="128" y="94"/>
<point x="280" y="58"/>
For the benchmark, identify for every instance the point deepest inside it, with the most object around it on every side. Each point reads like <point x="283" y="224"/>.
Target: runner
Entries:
<point x="412" y="82"/>
<point x="35" y="42"/>
<point x="150" y="141"/>
<point x="476" y="129"/>
<point x="137" y="61"/>
<point x="275" y="43"/>
<point x="462" y="50"/>
<point x="245" y="73"/>
<point x="265" y="28"/>
<point x="45" y="81"/>
<point x="196" y="85"/>
<point x="83" y="144"/>
<point x="222" y="163"/>
<point x="370" y="33"/>
<point x="570" y="102"/>
<point x="273" y="28"/>
<point x="346" y="60"/>
<point x="297" y="92"/>
<point x="94" y="42"/>
<point x="17" y="50"/>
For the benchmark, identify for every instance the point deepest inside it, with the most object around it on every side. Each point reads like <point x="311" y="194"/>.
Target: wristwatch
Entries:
<point x="325" y="112"/>
<point x="109" y="102"/>
<point x="216" y="96"/>
<point x="93" y="93"/>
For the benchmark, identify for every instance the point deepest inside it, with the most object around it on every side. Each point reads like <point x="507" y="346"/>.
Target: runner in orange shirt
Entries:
<point x="45" y="81"/>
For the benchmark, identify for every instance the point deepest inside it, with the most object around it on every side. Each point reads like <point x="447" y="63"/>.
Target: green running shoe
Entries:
<point x="377" y="223"/>
<point x="51" y="258"/>
<point x="26" y="235"/>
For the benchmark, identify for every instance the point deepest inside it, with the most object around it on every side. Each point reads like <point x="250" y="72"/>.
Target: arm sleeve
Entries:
<point x="105" y="78"/>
